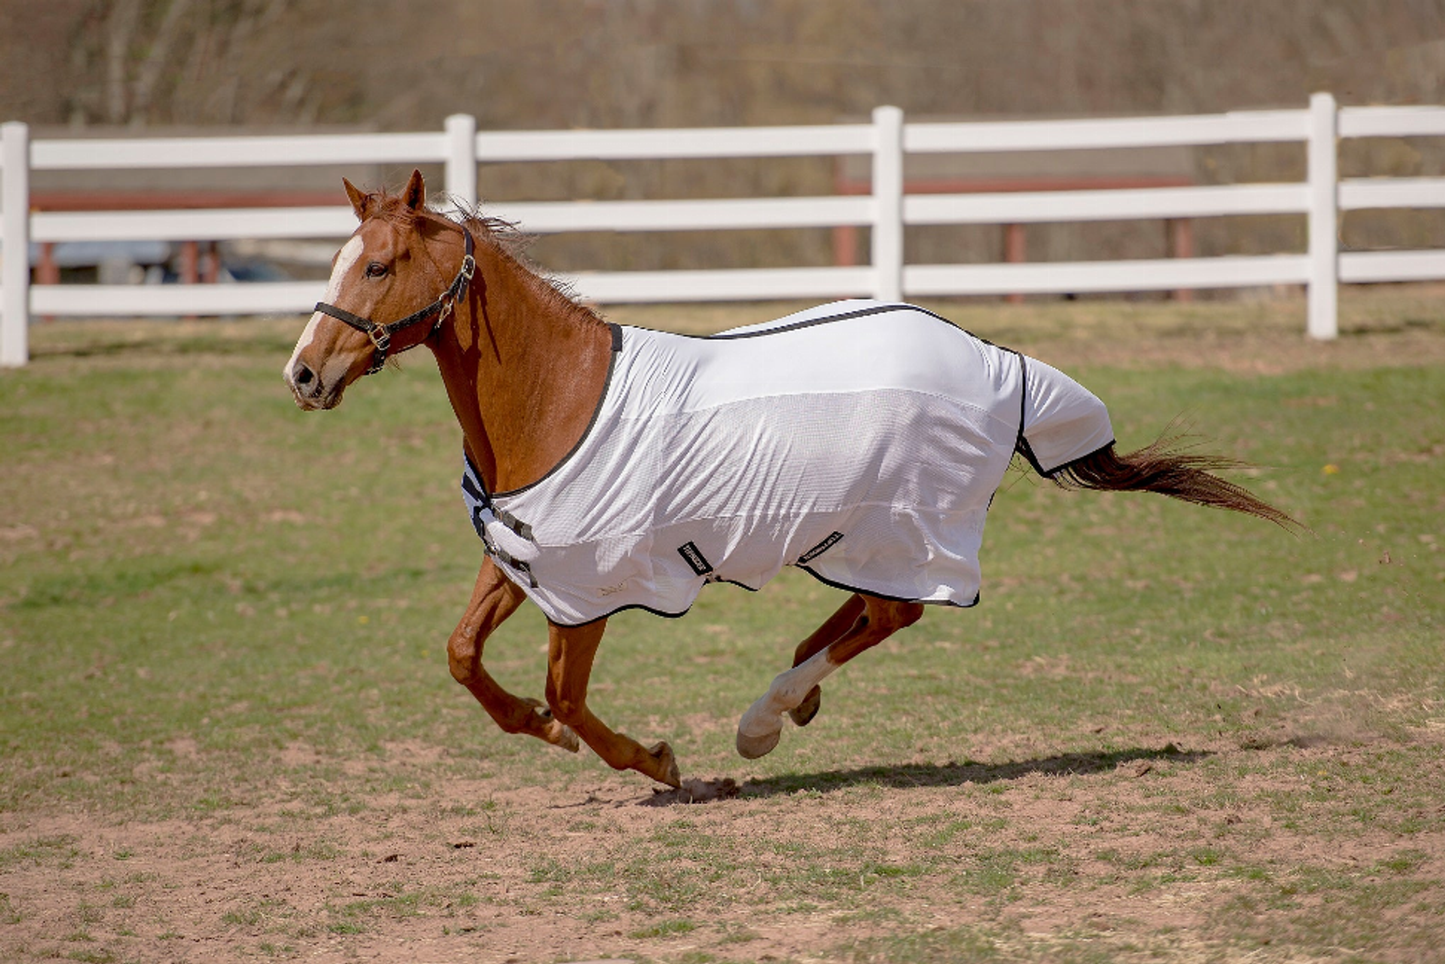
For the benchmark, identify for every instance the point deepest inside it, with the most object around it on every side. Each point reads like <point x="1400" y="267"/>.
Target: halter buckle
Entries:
<point x="381" y="338"/>
<point x="381" y="342"/>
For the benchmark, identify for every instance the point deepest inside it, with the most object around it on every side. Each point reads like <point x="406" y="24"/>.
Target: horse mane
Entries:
<point x="503" y="236"/>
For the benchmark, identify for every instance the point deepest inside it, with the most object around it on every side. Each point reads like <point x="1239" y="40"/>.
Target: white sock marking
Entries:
<point x="788" y="690"/>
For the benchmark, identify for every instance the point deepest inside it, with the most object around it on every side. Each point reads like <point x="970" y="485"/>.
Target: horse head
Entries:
<point x="382" y="293"/>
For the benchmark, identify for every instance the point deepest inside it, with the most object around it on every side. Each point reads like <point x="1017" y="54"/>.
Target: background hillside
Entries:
<point x="661" y="63"/>
<point x="151" y="64"/>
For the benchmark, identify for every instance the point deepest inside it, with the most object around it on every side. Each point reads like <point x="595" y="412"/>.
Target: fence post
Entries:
<point x="462" y="159"/>
<point x="888" y="203"/>
<point x="1324" y="252"/>
<point x="15" y="273"/>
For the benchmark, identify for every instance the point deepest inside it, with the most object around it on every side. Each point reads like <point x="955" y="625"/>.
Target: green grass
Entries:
<point x="218" y="611"/>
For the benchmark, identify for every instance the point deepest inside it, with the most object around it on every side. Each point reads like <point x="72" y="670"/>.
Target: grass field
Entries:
<point x="227" y="729"/>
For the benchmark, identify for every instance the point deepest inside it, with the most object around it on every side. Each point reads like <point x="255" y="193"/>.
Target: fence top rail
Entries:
<point x="1392" y="121"/>
<point x="622" y="144"/>
<point x="696" y="142"/>
<point x="1114" y="132"/>
<point x="778" y="141"/>
<point x="236" y="151"/>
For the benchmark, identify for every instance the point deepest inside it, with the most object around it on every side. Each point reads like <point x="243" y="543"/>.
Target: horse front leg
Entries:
<point x="570" y="652"/>
<point x="494" y="598"/>
<point x="873" y="620"/>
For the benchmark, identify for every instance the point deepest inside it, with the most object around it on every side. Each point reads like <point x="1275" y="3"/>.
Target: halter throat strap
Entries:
<point x="442" y="307"/>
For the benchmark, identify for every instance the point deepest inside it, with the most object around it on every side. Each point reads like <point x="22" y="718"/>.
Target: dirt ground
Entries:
<point x="433" y="880"/>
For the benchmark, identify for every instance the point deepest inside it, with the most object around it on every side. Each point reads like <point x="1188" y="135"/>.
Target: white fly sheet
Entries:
<point x="860" y="441"/>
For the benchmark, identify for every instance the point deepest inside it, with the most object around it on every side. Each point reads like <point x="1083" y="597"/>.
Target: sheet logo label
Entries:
<point x="820" y="548"/>
<point x="693" y="556"/>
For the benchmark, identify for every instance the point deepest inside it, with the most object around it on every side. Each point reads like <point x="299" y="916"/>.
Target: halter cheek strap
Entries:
<point x="445" y="304"/>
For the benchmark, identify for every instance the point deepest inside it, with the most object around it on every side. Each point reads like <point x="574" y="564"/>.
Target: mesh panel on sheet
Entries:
<point x="884" y="424"/>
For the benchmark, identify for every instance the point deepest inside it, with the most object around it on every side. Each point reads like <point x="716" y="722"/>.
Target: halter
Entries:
<point x="445" y="304"/>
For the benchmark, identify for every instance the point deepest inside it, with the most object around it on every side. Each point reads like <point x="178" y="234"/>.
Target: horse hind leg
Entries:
<point x="761" y="727"/>
<point x="803" y="713"/>
<point x="836" y="626"/>
<point x="874" y="620"/>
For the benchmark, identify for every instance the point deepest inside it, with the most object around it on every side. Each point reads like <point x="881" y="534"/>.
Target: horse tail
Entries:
<point x="1162" y="467"/>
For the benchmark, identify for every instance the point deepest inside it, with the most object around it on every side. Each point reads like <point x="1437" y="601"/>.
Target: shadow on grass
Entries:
<point x="927" y="775"/>
<point x="1391" y="327"/>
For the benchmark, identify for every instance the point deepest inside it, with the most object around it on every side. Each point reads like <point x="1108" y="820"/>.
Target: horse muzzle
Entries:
<point x="310" y="390"/>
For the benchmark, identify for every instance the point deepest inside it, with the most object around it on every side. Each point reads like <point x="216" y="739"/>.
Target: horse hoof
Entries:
<point x="662" y="753"/>
<point x="752" y="747"/>
<point x="804" y="712"/>
<point x="549" y="728"/>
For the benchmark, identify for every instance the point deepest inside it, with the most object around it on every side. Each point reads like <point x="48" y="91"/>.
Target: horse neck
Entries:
<point x="524" y="368"/>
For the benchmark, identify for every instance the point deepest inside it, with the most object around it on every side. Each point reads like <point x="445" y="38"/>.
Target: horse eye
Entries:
<point x="375" y="270"/>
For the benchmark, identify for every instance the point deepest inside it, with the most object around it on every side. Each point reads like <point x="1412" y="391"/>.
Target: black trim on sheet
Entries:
<point x="1027" y="452"/>
<point x="1023" y="447"/>
<point x="844" y="316"/>
<point x="827" y="582"/>
<point x="734" y="582"/>
<point x="869" y="592"/>
<point x="1021" y="444"/>
<point x="645" y="608"/>
<point x="591" y="424"/>
<point x="1072" y="462"/>
<point x="826" y="319"/>
<point x="621" y="609"/>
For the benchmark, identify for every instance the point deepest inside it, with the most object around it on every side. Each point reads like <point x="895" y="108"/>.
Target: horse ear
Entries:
<point x="415" y="195"/>
<point x="358" y="199"/>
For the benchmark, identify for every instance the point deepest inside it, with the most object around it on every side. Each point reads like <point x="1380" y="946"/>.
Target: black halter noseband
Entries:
<point x="380" y="335"/>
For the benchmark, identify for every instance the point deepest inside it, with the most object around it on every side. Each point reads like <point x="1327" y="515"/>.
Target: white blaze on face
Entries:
<point x="345" y="258"/>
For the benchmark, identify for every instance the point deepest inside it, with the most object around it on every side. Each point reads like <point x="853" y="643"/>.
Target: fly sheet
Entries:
<point x="860" y="441"/>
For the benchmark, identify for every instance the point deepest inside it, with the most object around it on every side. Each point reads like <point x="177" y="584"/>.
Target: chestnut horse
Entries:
<point x="526" y="370"/>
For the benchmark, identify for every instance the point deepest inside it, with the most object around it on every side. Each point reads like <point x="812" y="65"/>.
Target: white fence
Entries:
<point x="1321" y="196"/>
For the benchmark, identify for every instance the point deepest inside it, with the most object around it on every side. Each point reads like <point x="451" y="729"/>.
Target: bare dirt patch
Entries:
<point x="1220" y="853"/>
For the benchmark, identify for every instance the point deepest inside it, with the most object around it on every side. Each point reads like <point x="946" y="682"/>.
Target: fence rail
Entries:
<point x="886" y="210"/>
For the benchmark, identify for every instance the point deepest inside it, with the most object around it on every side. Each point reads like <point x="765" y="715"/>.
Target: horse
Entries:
<point x="609" y="467"/>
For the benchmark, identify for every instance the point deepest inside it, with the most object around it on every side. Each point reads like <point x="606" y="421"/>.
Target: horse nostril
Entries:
<point x="302" y="375"/>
